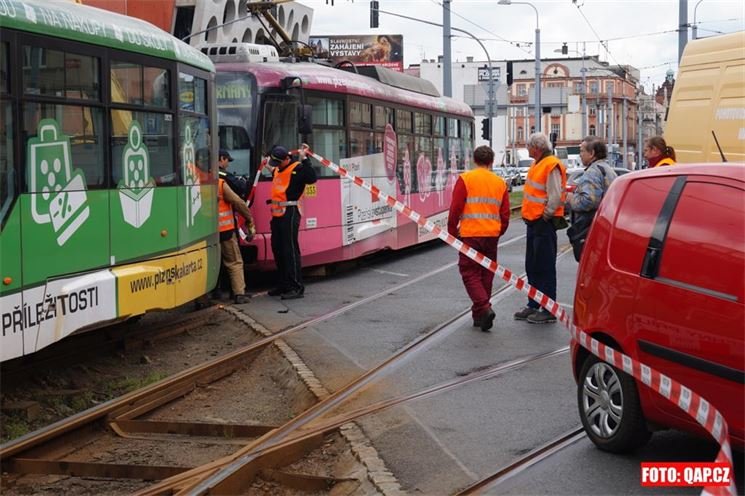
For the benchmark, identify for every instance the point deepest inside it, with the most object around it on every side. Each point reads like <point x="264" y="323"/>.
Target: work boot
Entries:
<point x="487" y="321"/>
<point x="240" y="299"/>
<point x="525" y="313"/>
<point x="476" y="322"/>
<point x="292" y="294"/>
<point x="541" y="317"/>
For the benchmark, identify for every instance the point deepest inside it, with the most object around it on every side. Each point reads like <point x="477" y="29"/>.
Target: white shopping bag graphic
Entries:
<point x="191" y="178"/>
<point x="137" y="188"/>
<point x="59" y="196"/>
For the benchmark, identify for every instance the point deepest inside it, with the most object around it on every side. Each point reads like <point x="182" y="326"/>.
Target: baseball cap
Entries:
<point x="224" y="153"/>
<point x="278" y="155"/>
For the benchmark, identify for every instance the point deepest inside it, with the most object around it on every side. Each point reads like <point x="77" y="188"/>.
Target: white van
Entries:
<point x="709" y="100"/>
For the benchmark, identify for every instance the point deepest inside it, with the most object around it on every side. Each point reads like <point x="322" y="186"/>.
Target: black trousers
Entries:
<point x="286" y="249"/>
<point x="540" y="259"/>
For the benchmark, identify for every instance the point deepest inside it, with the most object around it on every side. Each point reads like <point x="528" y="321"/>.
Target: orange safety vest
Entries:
<point x="665" y="161"/>
<point x="484" y="193"/>
<point x="535" y="196"/>
<point x="225" y="218"/>
<point x="280" y="183"/>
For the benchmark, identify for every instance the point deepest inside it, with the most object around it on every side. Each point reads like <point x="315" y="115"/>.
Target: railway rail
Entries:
<point x="286" y="442"/>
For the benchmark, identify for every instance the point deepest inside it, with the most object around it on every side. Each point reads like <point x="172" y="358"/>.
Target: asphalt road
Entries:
<point x="443" y="443"/>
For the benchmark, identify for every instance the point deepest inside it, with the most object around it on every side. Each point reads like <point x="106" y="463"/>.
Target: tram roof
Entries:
<point x="324" y="78"/>
<point x="98" y="27"/>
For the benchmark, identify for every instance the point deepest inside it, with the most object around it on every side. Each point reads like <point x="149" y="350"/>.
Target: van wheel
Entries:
<point x="609" y="407"/>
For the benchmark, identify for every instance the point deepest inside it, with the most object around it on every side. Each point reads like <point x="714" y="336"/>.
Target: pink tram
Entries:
<point x="391" y="129"/>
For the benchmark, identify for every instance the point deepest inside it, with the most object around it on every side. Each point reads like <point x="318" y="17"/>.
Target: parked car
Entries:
<point x="572" y="178"/>
<point x="523" y="166"/>
<point x="504" y="174"/>
<point x="661" y="280"/>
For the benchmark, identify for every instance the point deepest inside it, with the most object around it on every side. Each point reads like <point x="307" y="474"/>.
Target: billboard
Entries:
<point x="367" y="49"/>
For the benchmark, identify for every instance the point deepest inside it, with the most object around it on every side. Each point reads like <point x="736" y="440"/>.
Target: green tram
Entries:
<point x="108" y="190"/>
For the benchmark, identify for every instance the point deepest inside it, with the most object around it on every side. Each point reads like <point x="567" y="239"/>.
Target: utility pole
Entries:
<point x="625" y="135"/>
<point x="447" y="83"/>
<point x="683" y="27"/>
<point x="639" y="121"/>
<point x="584" y="93"/>
<point x="611" y="131"/>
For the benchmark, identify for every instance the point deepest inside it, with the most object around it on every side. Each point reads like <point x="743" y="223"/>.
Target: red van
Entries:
<point x="662" y="279"/>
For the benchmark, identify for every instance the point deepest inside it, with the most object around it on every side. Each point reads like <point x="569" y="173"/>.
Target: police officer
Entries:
<point x="288" y="185"/>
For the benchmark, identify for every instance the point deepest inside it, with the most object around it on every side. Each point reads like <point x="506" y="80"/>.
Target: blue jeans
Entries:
<point x="540" y="258"/>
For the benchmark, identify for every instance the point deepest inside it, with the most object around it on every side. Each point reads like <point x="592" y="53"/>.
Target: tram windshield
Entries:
<point x="236" y="99"/>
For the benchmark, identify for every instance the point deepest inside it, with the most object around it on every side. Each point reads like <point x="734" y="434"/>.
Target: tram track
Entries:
<point x="119" y="415"/>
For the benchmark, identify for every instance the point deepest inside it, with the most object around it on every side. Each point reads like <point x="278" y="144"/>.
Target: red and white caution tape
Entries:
<point x="685" y="399"/>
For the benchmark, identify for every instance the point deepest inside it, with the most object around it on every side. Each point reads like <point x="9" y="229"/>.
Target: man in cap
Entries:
<point x="238" y="184"/>
<point x="288" y="184"/>
<point x="229" y="203"/>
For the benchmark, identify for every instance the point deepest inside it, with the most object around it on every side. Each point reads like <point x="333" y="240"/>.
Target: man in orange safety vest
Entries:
<point x="479" y="215"/>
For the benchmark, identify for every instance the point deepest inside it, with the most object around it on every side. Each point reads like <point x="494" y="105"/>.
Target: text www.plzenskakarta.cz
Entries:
<point x="165" y="276"/>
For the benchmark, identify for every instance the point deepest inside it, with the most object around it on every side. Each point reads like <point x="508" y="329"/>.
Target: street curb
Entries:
<point x="377" y="473"/>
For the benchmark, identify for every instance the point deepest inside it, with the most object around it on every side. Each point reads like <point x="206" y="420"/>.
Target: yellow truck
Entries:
<point x="708" y="101"/>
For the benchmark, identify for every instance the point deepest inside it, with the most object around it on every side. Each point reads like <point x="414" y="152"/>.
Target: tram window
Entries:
<point x="405" y="170"/>
<point x="146" y="134"/>
<point x="280" y="124"/>
<point x="327" y="112"/>
<point x="4" y="86"/>
<point x="79" y="129"/>
<point x="330" y="144"/>
<point x="61" y="74"/>
<point x="439" y="125"/>
<point x="383" y="116"/>
<point x="422" y="123"/>
<point x="7" y="172"/>
<point x="453" y="128"/>
<point x="156" y="87"/>
<point x="126" y="83"/>
<point x="361" y="143"/>
<point x="404" y="122"/>
<point x="195" y="148"/>
<point x="192" y="93"/>
<point x="360" y="114"/>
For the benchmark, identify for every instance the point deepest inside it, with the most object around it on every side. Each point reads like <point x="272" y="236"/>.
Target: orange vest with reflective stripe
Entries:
<point x="484" y="193"/>
<point x="280" y="183"/>
<point x="225" y="218"/>
<point x="535" y="194"/>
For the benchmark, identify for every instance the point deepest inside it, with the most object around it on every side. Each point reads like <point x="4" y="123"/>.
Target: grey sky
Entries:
<point x="560" y="21"/>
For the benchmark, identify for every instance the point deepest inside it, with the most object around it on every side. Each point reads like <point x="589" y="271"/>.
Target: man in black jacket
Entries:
<point x="288" y="184"/>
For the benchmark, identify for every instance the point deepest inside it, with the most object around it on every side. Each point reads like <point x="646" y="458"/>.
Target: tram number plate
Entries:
<point x="310" y="190"/>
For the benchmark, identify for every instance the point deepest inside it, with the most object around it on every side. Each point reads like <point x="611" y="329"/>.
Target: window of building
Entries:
<point x="522" y="90"/>
<point x="592" y="130"/>
<point x="594" y="87"/>
<point x="555" y="128"/>
<point x="532" y="129"/>
<point x="520" y="134"/>
<point x="592" y="111"/>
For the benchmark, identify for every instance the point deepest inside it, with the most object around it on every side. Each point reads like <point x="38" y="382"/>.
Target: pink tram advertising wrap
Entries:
<point x="391" y="129"/>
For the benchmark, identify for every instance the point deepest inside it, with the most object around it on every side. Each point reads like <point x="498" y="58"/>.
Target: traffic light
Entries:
<point x="486" y="128"/>
<point x="564" y="49"/>
<point x="374" y="6"/>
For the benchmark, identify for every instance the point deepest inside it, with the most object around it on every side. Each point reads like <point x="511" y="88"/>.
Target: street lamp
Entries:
<point x="695" y="26"/>
<point x="537" y="62"/>
<point x="584" y="85"/>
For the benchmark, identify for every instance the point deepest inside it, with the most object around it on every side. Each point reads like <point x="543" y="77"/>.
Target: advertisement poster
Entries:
<point x="362" y="215"/>
<point x="381" y="49"/>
